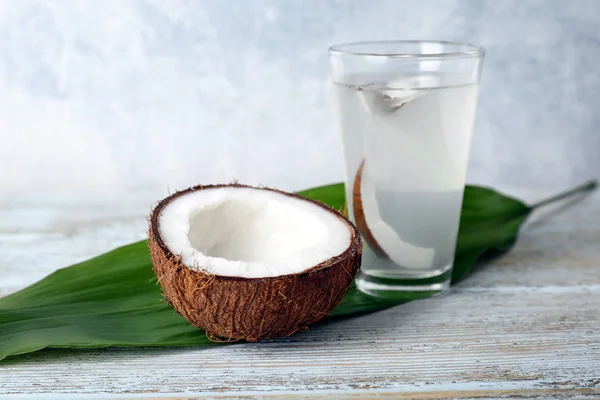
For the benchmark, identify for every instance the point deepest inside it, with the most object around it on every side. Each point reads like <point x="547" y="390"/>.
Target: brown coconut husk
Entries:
<point x="236" y="308"/>
<point x="359" y="213"/>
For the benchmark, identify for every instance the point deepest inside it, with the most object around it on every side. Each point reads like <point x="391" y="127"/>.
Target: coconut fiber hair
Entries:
<point x="235" y="308"/>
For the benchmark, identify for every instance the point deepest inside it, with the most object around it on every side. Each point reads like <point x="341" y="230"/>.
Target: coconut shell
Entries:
<point x="359" y="213"/>
<point x="236" y="308"/>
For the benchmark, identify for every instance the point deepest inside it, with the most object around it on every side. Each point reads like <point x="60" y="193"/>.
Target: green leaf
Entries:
<point x="110" y="300"/>
<point x="114" y="299"/>
<point x="488" y="222"/>
<point x="332" y="195"/>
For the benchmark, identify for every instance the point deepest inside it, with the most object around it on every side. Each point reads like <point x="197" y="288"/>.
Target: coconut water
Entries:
<point x="411" y="141"/>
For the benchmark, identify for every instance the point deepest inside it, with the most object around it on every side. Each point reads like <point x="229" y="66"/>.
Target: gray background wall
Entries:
<point x="150" y="94"/>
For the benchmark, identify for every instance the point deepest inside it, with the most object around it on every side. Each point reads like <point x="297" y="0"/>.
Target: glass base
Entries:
<point x="404" y="284"/>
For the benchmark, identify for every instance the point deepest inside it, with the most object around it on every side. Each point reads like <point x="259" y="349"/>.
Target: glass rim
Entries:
<point x="471" y="50"/>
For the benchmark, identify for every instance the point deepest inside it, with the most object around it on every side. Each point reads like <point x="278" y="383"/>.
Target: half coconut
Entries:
<point x="251" y="263"/>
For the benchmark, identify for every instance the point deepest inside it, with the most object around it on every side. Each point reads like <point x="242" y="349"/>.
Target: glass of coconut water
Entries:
<point x="406" y="111"/>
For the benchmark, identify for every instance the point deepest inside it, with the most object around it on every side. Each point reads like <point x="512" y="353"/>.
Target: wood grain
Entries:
<point x="526" y="325"/>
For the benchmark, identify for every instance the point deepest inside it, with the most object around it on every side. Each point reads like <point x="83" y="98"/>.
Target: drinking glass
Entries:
<point x="406" y="112"/>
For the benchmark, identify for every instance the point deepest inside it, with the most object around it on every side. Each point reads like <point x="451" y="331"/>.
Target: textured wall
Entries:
<point x="147" y="94"/>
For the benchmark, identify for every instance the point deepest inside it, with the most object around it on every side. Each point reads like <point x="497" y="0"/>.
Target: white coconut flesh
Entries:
<point x="399" y="251"/>
<point x="250" y="233"/>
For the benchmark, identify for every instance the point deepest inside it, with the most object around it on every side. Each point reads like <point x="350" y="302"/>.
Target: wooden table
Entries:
<point x="526" y="325"/>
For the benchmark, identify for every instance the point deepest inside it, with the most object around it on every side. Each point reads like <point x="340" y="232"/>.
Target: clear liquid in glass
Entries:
<point x="408" y="141"/>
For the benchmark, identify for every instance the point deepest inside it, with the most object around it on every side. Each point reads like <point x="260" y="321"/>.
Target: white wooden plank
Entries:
<point x="40" y="234"/>
<point x="520" y="391"/>
<point x="538" y="338"/>
<point x="529" y="324"/>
